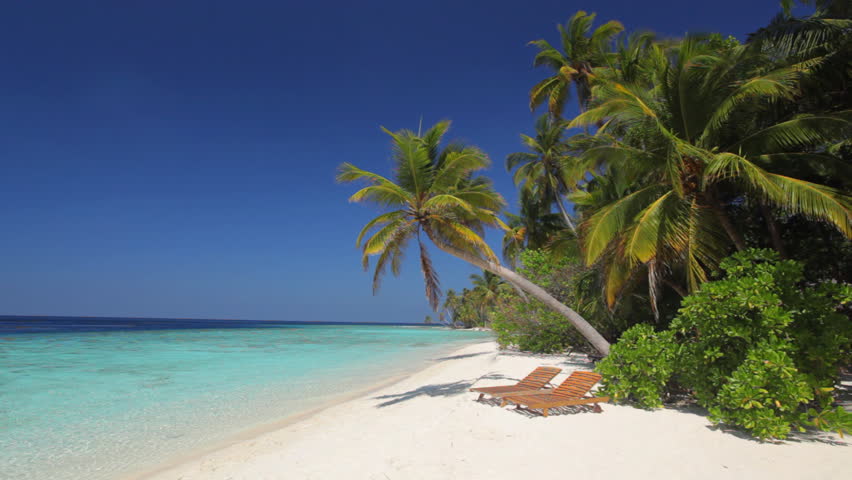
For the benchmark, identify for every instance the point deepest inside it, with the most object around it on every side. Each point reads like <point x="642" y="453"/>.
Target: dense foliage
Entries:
<point x="756" y="347"/>
<point x="640" y="366"/>
<point x="677" y="154"/>
<point x="529" y="325"/>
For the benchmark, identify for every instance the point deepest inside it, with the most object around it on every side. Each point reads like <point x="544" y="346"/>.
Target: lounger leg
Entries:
<point x="480" y="397"/>
<point x="544" y="411"/>
<point x="597" y="409"/>
<point x="504" y="402"/>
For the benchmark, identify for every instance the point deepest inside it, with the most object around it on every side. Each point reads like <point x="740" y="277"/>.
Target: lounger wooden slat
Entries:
<point x="571" y="392"/>
<point x="533" y="382"/>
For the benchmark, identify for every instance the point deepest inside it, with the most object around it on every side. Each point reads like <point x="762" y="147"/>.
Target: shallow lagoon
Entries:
<point x="101" y="404"/>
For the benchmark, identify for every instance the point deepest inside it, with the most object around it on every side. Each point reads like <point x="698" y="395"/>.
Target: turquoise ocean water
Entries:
<point x="99" y="405"/>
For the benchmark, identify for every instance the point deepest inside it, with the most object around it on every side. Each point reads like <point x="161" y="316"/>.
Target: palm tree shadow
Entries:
<point x="459" y="357"/>
<point x="809" y="436"/>
<point x="498" y="376"/>
<point x="439" y="390"/>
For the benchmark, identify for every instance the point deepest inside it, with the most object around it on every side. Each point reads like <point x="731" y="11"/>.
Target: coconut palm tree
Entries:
<point x="489" y="285"/>
<point x="545" y="167"/>
<point x="581" y="53"/>
<point x="824" y="37"/>
<point x="705" y="144"/>
<point x="485" y="294"/>
<point x="436" y="194"/>
<point x="533" y="227"/>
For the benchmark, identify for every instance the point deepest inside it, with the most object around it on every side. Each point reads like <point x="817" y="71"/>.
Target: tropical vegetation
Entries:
<point x="692" y="207"/>
<point x="754" y="348"/>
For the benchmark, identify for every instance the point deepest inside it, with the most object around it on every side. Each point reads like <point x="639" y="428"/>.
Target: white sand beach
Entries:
<point x="429" y="426"/>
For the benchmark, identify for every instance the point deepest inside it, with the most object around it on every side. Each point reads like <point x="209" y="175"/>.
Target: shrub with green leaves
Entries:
<point x="753" y="347"/>
<point x="532" y="326"/>
<point x="764" y="394"/>
<point x="639" y="367"/>
<point x="529" y="324"/>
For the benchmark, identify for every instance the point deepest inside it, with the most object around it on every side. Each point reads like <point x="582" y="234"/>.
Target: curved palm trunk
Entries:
<point x="564" y="212"/>
<point x="561" y="205"/>
<point x="677" y="288"/>
<point x="723" y="218"/>
<point x="774" y="233"/>
<point x="589" y="333"/>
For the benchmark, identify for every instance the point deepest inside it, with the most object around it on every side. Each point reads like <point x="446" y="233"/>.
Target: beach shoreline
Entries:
<point x="427" y="425"/>
<point x="152" y="471"/>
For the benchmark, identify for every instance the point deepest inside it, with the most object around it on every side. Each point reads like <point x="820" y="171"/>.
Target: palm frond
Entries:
<point x="413" y="165"/>
<point x="377" y="242"/>
<point x="547" y="55"/>
<point x="383" y="195"/>
<point x="519" y="158"/>
<point x="430" y="278"/>
<point x="814" y="201"/>
<point x="604" y="34"/>
<point x="458" y="165"/>
<point x="644" y="238"/>
<point x="380" y="220"/>
<point x="541" y="91"/>
<point x="602" y="227"/>
<point x="463" y="238"/>
<point x="392" y="255"/>
<point x="802" y="132"/>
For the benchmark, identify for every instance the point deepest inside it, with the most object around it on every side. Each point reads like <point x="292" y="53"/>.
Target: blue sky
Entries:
<point x="177" y="159"/>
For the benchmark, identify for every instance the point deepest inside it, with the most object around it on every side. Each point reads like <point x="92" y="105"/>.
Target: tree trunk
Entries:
<point x="772" y="226"/>
<point x="564" y="212"/>
<point x="586" y="330"/>
<point x="732" y="232"/>
<point x="674" y="286"/>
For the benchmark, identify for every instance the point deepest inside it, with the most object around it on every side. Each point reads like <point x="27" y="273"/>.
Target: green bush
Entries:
<point x="764" y="394"/>
<point x="531" y="326"/>
<point x="639" y="367"/>
<point x="753" y="348"/>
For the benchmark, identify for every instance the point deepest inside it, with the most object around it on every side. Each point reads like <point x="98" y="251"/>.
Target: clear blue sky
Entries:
<point x="177" y="158"/>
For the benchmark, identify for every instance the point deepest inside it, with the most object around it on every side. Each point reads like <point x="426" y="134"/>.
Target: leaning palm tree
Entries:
<point x="581" y="53"/>
<point x="545" y="167"/>
<point x="697" y="142"/>
<point x="436" y="194"/>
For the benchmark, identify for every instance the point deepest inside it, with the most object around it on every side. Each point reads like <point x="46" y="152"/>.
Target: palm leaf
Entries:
<point x="379" y="240"/>
<point x="602" y="227"/>
<point x="814" y="201"/>
<point x="414" y="166"/>
<point x="380" y="220"/>
<point x="794" y="134"/>
<point x="393" y="254"/>
<point x="430" y="278"/>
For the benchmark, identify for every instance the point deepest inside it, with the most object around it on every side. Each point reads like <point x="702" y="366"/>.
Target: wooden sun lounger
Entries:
<point x="571" y="392"/>
<point x="539" y="377"/>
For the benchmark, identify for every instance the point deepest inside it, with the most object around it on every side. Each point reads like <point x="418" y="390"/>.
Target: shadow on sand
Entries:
<point x="811" y="435"/>
<point x="459" y="357"/>
<point x="439" y="390"/>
